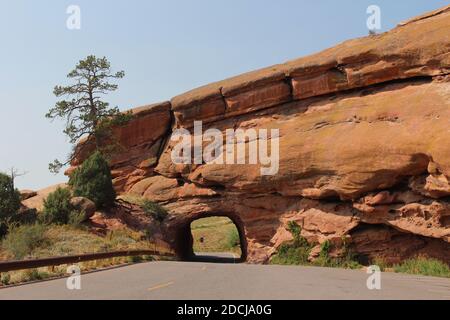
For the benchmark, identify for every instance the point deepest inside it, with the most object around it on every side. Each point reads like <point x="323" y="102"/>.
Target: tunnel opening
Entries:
<point x="212" y="238"/>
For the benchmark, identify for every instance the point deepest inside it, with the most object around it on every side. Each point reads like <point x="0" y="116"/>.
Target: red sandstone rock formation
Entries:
<point x="364" y="149"/>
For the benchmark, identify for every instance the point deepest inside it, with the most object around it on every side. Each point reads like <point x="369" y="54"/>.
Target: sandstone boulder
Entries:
<point x="37" y="201"/>
<point x="84" y="205"/>
<point x="26" y="194"/>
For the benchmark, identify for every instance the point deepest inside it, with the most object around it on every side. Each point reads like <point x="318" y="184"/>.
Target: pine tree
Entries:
<point x="86" y="114"/>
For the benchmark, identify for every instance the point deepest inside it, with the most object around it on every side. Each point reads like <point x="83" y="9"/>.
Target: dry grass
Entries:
<point x="67" y="240"/>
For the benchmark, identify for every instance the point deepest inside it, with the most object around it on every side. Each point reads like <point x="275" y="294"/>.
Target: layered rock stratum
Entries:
<point x="364" y="149"/>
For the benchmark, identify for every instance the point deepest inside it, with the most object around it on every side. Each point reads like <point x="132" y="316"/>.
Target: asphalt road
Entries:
<point x="205" y="280"/>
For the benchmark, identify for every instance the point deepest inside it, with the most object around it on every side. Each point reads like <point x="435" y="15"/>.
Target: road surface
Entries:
<point x="205" y="280"/>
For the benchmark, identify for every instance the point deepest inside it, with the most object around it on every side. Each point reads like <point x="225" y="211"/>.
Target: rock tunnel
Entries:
<point x="183" y="242"/>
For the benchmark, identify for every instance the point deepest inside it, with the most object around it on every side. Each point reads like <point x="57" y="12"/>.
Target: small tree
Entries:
<point x="85" y="113"/>
<point x="9" y="201"/>
<point x="57" y="207"/>
<point x="93" y="180"/>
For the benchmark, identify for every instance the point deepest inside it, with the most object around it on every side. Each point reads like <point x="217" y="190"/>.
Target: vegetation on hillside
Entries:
<point x="22" y="240"/>
<point x="39" y="241"/>
<point x="58" y="230"/>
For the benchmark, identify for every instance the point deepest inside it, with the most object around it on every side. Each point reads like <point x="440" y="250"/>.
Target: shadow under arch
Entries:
<point x="184" y="242"/>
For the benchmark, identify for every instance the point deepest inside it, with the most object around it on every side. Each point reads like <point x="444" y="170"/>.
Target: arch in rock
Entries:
<point x="182" y="240"/>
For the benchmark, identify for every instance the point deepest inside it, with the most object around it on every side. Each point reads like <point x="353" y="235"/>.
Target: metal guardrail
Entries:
<point x="6" y="266"/>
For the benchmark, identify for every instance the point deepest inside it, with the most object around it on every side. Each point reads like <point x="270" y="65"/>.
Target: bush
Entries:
<point x="295" y="252"/>
<point x="346" y="260"/>
<point x="3" y="228"/>
<point x="298" y="251"/>
<point x="325" y="249"/>
<point x="9" y="201"/>
<point x="35" y="274"/>
<point x="233" y="239"/>
<point x="135" y="259"/>
<point x="93" y="180"/>
<point x="296" y="231"/>
<point x="28" y="216"/>
<point x="324" y="259"/>
<point x="21" y="240"/>
<point x="57" y="207"/>
<point x="155" y="210"/>
<point x="424" y="266"/>
<point x="5" y="279"/>
<point x="288" y="253"/>
<point x="76" y="218"/>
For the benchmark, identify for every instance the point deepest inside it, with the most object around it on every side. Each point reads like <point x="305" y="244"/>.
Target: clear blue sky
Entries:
<point x="165" y="47"/>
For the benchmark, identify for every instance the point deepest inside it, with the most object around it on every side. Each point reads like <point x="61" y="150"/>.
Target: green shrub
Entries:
<point x="135" y="259"/>
<point x="5" y="279"/>
<point x="9" y="201"/>
<point x="148" y="258"/>
<point x="93" y="180"/>
<point x="296" y="231"/>
<point x="424" y="266"/>
<point x="155" y="210"/>
<point x="298" y="250"/>
<point x="349" y="259"/>
<point x="295" y="252"/>
<point x="346" y="260"/>
<point x="3" y="228"/>
<point x="289" y="253"/>
<point x="35" y="274"/>
<point x="324" y="260"/>
<point x="21" y="240"/>
<point x="233" y="239"/>
<point x="57" y="207"/>
<point x="76" y="219"/>
<point x="325" y="249"/>
<point x="28" y="216"/>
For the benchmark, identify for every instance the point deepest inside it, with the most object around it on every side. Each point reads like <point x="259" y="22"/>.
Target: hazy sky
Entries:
<point x="165" y="47"/>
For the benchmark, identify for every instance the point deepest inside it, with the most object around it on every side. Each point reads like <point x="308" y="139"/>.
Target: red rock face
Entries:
<point x="364" y="149"/>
